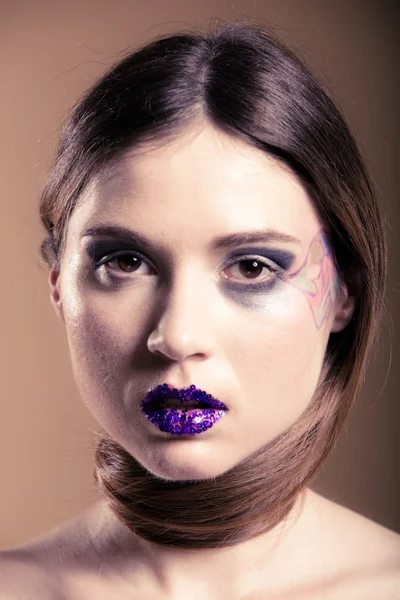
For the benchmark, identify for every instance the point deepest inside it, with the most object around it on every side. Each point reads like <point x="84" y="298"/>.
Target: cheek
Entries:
<point x="104" y="331"/>
<point x="95" y="357"/>
<point x="279" y="357"/>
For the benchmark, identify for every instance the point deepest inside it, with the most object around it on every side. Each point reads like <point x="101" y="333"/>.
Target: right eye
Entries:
<point x="125" y="262"/>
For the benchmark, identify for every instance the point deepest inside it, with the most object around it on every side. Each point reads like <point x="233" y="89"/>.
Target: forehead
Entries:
<point x="203" y="181"/>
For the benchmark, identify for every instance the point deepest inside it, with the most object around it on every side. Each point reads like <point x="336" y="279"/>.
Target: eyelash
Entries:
<point x="107" y="259"/>
<point x="248" y="258"/>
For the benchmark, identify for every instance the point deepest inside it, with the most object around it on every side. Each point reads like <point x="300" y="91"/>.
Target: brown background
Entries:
<point x="51" y="52"/>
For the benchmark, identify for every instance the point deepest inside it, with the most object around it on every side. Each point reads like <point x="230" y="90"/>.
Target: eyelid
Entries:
<point x="100" y="250"/>
<point x="103" y="251"/>
<point x="111" y="256"/>
<point x="271" y="266"/>
<point x="273" y="272"/>
<point x="281" y="259"/>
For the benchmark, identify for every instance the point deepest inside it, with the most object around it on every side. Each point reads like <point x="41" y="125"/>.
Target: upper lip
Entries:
<point x="191" y="392"/>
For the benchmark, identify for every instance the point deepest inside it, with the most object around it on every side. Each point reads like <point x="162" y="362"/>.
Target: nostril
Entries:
<point x="176" y="348"/>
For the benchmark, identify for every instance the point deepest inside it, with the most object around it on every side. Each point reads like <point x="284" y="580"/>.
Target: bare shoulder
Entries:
<point x="364" y="556"/>
<point x="40" y="569"/>
<point x="354" y="533"/>
<point x="22" y="578"/>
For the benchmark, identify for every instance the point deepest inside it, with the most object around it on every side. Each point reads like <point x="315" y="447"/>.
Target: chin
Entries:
<point x="180" y="461"/>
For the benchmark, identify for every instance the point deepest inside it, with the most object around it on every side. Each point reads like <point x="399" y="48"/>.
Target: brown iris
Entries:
<point x="251" y="268"/>
<point x="128" y="263"/>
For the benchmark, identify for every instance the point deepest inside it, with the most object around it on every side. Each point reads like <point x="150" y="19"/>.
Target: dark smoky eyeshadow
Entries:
<point x="282" y="258"/>
<point x="252" y="296"/>
<point x="96" y="249"/>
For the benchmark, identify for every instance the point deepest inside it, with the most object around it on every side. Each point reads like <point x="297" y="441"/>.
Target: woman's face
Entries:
<point x="227" y="283"/>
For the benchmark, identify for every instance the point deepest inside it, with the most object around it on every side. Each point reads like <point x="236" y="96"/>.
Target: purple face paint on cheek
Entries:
<point x="317" y="279"/>
<point x="255" y="297"/>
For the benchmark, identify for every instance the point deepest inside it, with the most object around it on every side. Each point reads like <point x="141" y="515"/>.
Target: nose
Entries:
<point x="184" y="327"/>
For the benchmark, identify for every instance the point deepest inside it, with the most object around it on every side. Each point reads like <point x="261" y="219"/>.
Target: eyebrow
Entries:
<point x="254" y="237"/>
<point x="226" y="241"/>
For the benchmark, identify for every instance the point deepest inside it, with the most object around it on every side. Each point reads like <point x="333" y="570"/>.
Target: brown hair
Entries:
<point x="245" y="82"/>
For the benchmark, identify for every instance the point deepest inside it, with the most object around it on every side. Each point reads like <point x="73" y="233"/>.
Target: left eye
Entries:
<point x="249" y="268"/>
<point x="126" y="262"/>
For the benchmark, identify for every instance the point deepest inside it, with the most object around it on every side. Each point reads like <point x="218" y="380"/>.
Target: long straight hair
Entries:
<point x="244" y="81"/>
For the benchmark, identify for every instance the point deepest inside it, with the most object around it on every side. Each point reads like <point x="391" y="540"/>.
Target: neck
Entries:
<point x="213" y="572"/>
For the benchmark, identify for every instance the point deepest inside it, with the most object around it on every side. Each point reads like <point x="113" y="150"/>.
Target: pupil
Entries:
<point x="251" y="268"/>
<point x="123" y="263"/>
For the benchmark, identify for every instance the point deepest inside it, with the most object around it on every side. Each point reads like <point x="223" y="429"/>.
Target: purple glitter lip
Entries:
<point x="182" y="421"/>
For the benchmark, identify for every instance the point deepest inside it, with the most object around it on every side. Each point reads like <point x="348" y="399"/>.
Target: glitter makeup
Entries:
<point x="169" y="409"/>
<point x="317" y="278"/>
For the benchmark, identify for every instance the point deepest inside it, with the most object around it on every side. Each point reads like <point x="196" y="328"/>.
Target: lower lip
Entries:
<point x="184" y="422"/>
